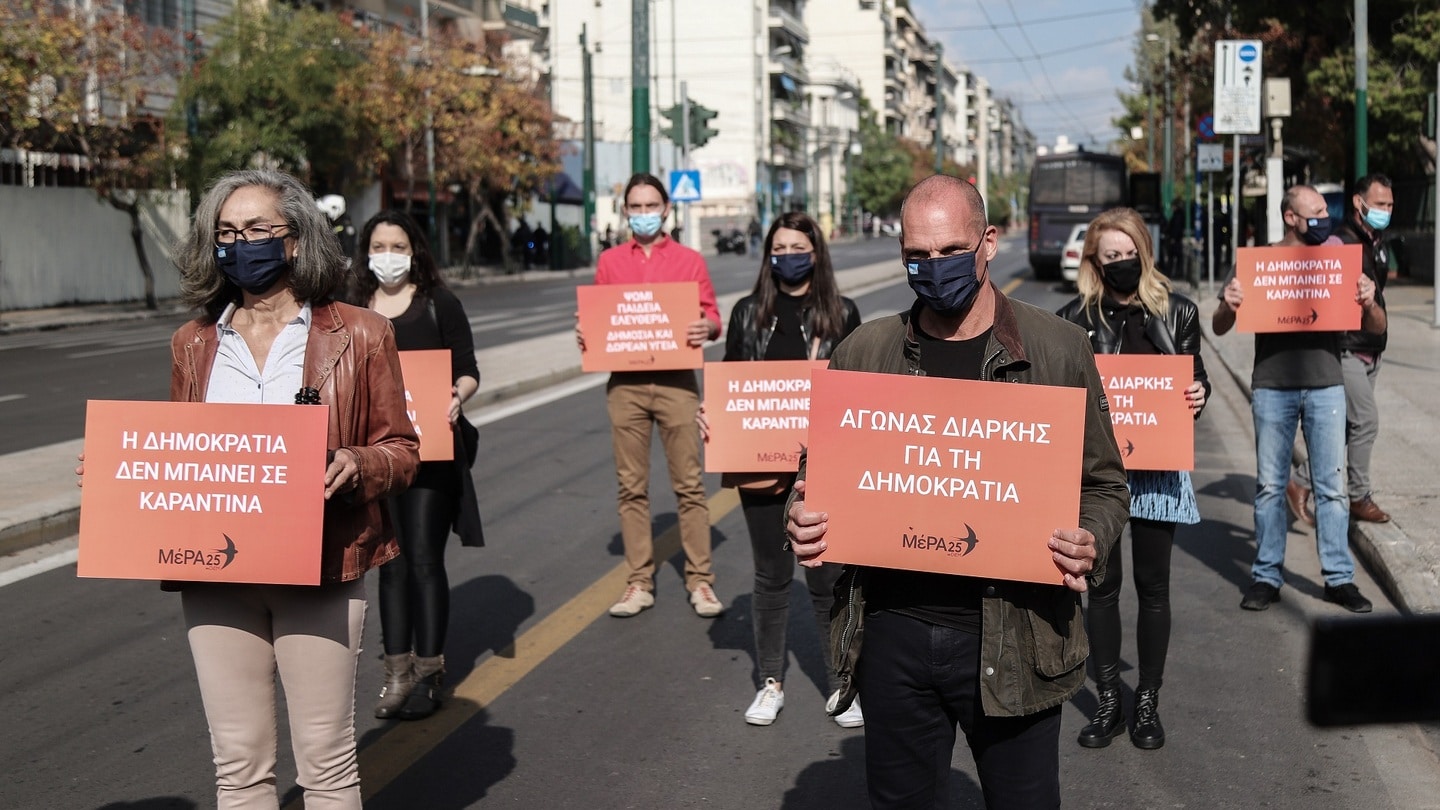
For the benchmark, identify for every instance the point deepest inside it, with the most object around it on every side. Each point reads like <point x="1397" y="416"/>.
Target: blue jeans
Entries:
<point x="1320" y="413"/>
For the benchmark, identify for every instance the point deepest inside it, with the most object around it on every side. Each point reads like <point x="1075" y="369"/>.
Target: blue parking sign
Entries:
<point x="685" y="185"/>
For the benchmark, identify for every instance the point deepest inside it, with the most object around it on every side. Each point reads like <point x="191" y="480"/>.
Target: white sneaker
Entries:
<point x="851" y="717"/>
<point x="767" y="704"/>
<point x="706" y="605"/>
<point x="634" y="600"/>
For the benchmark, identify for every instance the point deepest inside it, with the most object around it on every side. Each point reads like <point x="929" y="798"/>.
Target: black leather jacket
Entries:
<point x="1177" y="333"/>
<point x="745" y="340"/>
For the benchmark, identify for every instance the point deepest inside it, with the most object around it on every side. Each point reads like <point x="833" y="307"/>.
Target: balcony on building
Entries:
<point x="787" y="17"/>
<point x="787" y="62"/>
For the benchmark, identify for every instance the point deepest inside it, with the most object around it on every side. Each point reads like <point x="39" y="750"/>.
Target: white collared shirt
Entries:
<point x="235" y="376"/>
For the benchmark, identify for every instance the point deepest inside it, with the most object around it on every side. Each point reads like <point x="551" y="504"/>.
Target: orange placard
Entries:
<point x="1154" y="426"/>
<point x="203" y="492"/>
<point x="427" y="401"/>
<point x="1298" y="289"/>
<point x="759" y="414"/>
<point x="631" y="327"/>
<point x="950" y="476"/>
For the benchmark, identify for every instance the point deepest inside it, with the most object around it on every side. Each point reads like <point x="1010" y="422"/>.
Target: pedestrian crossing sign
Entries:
<point x="685" y="185"/>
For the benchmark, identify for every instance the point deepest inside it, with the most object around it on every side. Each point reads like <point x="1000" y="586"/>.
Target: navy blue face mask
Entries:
<point x="792" y="268"/>
<point x="1317" y="230"/>
<point x="947" y="284"/>
<point x="253" y="268"/>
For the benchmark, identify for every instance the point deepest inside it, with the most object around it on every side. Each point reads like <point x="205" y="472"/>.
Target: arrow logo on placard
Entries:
<point x="1129" y="448"/>
<point x="1314" y="316"/>
<point x="969" y="540"/>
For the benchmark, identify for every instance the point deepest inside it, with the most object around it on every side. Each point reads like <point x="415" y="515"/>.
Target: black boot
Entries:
<point x="1148" y="733"/>
<point x="425" y="696"/>
<point x="1108" y="722"/>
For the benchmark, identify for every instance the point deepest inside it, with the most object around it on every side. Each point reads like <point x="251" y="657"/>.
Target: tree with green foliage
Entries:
<point x="285" y="88"/>
<point x="885" y="170"/>
<point x="1312" y="44"/>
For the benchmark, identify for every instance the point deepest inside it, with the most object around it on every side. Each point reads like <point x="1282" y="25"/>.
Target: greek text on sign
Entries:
<point x="949" y="476"/>
<point x="638" y="327"/>
<point x="1154" y="426"/>
<point x="1298" y="289"/>
<point x="759" y="414"/>
<point x="203" y="492"/>
<point x="428" y="391"/>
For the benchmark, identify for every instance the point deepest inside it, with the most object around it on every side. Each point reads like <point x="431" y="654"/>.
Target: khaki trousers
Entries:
<point x="240" y="635"/>
<point x="670" y="399"/>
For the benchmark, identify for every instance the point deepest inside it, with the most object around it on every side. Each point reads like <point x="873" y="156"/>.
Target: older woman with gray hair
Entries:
<point x="261" y="263"/>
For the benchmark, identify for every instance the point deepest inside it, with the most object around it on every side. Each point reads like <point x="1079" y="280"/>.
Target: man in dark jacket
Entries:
<point x="1360" y="351"/>
<point x="999" y="658"/>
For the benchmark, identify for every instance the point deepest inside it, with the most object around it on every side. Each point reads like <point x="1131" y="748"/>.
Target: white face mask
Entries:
<point x="390" y="268"/>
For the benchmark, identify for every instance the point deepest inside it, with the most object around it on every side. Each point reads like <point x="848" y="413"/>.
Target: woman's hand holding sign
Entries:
<point x="343" y="474"/>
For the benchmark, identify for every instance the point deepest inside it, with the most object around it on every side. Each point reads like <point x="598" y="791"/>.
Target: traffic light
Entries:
<point x="676" y="116"/>
<point x="700" y="130"/>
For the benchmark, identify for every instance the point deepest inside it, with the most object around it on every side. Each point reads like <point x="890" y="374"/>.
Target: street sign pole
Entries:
<point x="689" y="233"/>
<point x="1237" y="109"/>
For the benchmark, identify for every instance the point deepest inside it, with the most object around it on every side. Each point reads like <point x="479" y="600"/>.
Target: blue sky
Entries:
<point x="1061" y="61"/>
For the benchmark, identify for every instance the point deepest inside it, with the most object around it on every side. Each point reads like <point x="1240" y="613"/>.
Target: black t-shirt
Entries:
<point x="787" y="342"/>
<point x="1128" y="321"/>
<point x="1294" y="359"/>
<point x="944" y="599"/>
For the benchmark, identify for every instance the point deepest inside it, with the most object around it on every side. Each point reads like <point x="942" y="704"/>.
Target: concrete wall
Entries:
<point x="62" y="246"/>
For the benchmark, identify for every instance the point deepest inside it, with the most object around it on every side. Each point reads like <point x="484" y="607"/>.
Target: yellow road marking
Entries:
<point x="1012" y="285"/>
<point x="404" y="744"/>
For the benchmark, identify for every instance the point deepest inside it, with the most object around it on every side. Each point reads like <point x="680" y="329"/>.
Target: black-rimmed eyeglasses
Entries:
<point x="251" y="234"/>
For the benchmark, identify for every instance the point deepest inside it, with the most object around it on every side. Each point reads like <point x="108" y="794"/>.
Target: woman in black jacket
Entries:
<point x="1127" y="307"/>
<point x="795" y="312"/>
<point x="393" y="273"/>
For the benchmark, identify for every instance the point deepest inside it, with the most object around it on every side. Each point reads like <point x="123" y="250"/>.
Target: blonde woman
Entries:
<point x="1127" y="307"/>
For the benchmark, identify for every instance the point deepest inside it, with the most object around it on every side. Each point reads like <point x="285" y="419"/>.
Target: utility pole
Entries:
<point x="587" y="172"/>
<point x="429" y="130"/>
<point x="640" y="86"/>
<point x="1167" y="180"/>
<point x="1362" y="82"/>
<point x="939" y="110"/>
<point x="685" y="162"/>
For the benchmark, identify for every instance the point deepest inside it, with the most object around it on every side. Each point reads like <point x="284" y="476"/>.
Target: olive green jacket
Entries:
<point x="1033" y="643"/>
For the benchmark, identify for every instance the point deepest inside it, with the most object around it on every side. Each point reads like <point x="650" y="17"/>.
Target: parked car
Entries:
<point x="1070" y="255"/>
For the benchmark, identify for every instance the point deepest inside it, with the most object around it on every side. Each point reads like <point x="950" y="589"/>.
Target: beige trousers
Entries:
<point x="240" y="636"/>
<point x="637" y="401"/>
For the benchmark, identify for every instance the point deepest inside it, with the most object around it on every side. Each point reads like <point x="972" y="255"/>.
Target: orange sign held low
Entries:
<point x="203" y="492"/>
<point x="638" y="327"/>
<point x="759" y="414"/>
<point x="1154" y="426"/>
<point x="427" y="400"/>
<point x="949" y="476"/>
<point x="1298" y="289"/>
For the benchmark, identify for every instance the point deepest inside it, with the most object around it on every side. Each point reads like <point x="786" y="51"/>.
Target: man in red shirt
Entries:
<point x="637" y="400"/>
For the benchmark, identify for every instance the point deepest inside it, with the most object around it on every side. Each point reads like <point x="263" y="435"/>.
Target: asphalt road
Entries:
<point x="46" y="377"/>
<point x="559" y="706"/>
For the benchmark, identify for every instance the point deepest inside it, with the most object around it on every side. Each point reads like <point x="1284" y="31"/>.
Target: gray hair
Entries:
<point x="319" y="265"/>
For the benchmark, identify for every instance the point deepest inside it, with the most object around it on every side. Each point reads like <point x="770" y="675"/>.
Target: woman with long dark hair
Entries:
<point x="795" y="312"/>
<point x="1127" y="307"/>
<point x="393" y="273"/>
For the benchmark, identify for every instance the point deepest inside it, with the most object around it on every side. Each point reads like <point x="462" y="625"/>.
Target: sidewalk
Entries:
<point x="1404" y="554"/>
<point x="39" y="502"/>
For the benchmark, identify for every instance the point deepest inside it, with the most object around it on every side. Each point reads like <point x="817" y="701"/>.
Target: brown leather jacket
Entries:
<point x="350" y="358"/>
